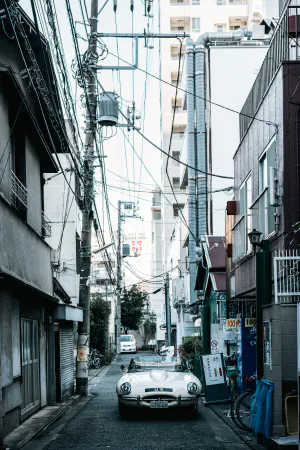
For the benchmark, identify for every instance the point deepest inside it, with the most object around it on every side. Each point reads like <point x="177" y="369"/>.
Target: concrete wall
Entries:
<point x="246" y="160"/>
<point x="23" y="255"/>
<point x="283" y="372"/>
<point x="60" y="204"/>
<point x="232" y="73"/>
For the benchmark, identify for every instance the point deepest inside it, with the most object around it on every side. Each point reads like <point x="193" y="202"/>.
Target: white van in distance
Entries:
<point x="128" y="344"/>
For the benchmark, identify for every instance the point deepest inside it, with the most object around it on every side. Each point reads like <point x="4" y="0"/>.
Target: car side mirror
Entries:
<point x="191" y="367"/>
<point x="123" y="367"/>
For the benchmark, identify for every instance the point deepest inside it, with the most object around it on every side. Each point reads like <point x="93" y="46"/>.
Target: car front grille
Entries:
<point x="155" y="397"/>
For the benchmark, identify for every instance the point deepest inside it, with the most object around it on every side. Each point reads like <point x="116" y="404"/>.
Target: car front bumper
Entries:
<point x="179" y="402"/>
<point x="128" y="350"/>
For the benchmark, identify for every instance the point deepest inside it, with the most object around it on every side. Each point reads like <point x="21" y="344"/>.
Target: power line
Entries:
<point x="198" y="96"/>
<point x="166" y="153"/>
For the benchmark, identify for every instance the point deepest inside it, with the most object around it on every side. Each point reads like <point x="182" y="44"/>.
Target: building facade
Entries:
<point x="29" y="295"/>
<point x="224" y="86"/>
<point x="267" y="199"/>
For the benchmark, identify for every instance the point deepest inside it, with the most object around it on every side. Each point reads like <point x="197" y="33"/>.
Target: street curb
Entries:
<point x="45" y="425"/>
<point x="248" y="441"/>
<point x="100" y="370"/>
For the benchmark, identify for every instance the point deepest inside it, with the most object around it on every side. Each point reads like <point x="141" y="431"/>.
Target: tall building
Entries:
<point x="197" y="17"/>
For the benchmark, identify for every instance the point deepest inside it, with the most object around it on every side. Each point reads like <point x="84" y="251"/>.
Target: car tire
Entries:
<point x="123" y="410"/>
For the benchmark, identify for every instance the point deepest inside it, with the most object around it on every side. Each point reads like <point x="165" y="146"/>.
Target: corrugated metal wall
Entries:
<point x="66" y="362"/>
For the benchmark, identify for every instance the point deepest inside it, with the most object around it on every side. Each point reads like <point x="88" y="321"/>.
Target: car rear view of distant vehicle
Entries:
<point x="128" y="343"/>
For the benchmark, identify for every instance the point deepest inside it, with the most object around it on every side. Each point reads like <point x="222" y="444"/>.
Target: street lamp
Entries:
<point x="254" y="238"/>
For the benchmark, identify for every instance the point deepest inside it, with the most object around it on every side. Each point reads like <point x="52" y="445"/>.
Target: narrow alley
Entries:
<point x="94" y="423"/>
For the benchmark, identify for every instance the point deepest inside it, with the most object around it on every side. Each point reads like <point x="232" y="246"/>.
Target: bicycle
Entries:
<point x="242" y="407"/>
<point x="232" y="374"/>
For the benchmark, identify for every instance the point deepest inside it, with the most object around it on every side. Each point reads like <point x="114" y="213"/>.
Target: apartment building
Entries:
<point x="194" y="17"/>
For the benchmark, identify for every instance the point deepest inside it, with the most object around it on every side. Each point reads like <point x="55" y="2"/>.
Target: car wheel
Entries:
<point x="123" y="410"/>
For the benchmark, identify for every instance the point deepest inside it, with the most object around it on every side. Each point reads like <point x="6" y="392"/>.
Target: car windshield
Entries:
<point x="126" y="338"/>
<point x="147" y="363"/>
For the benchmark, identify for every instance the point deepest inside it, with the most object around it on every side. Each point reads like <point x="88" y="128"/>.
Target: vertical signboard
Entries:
<point x="247" y="361"/>
<point x="214" y="378"/>
<point x="267" y="343"/>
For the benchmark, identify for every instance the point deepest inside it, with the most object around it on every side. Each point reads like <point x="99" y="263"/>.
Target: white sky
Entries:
<point x="114" y="147"/>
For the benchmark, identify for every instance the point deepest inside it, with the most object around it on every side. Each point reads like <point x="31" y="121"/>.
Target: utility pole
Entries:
<point x="121" y="218"/>
<point x="87" y="214"/>
<point x="119" y="277"/>
<point x="168" y="310"/>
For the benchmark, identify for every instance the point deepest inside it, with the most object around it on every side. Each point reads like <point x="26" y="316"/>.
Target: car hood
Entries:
<point x="159" y="378"/>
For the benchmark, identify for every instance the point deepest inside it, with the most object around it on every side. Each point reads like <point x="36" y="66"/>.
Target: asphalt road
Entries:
<point x="94" y="423"/>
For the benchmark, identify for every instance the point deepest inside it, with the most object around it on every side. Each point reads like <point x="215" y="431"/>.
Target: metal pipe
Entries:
<point x="201" y="140"/>
<point x="143" y="35"/>
<point x="191" y="156"/>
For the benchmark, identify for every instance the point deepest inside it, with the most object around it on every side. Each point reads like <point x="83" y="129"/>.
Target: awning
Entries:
<point x="68" y="312"/>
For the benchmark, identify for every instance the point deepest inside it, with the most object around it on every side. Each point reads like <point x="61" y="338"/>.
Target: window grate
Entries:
<point x="18" y="193"/>
<point x="46" y="227"/>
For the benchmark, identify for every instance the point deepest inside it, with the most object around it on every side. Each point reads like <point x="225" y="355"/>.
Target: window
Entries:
<point x="220" y="28"/>
<point x="263" y="212"/>
<point x="176" y="208"/>
<point x="234" y="27"/>
<point x="196" y="2"/>
<point x="174" y="76"/>
<point x="175" y="155"/>
<point x="156" y="215"/>
<point x="175" y="50"/>
<point x="196" y="24"/>
<point x="176" y="182"/>
<point x="220" y="2"/>
<point x="178" y="131"/>
<point x="178" y="103"/>
<point x="241" y="244"/>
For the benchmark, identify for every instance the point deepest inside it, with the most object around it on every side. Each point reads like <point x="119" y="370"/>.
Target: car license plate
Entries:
<point x="158" y="404"/>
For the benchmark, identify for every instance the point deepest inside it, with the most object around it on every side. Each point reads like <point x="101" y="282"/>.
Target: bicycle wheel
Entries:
<point x="243" y="410"/>
<point x="233" y="414"/>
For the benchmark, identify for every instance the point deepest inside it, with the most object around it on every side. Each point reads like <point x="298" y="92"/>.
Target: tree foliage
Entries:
<point x="99" y="314"/>
<point x="148" y="328"/>
<point x="133" y="302"/>
<point x="191" y="346"/>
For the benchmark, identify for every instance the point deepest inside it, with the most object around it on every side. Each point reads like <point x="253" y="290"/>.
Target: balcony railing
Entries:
<point x="46" y="227"/>
<point x="18" y="192"/>
<point x="282" y="48"/>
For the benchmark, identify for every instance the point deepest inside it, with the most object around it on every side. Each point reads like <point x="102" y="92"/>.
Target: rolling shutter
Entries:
<point x="66" y="362"/>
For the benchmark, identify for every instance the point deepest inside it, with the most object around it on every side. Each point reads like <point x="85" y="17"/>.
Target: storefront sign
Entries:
<point x="82" y="353"/>
<point x="233" y="323"/>
<point x="214" y="379"/>
<point x="267" y="343"/>
<point x="250" y="322"/>
<point x="213" y="370"/>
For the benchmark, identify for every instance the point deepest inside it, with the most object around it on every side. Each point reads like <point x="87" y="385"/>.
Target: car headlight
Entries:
<point x="125" y="388"/>
<point x="192" y="388"/>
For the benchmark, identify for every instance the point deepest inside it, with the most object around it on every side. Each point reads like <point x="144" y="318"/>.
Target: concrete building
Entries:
<point x="266" y="177"/>
<point x="103" y="282"/>
<point x="64" y="217"/>
<point x="226" y="86"/>
<point x="29" y="297"/>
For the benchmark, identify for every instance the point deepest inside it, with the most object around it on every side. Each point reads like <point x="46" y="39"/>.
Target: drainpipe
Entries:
<point x="201" y="141"/>
<point x="191" y="156"/>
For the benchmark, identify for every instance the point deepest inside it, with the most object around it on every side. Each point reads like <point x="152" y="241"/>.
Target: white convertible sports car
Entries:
<point x="158" y="382"/>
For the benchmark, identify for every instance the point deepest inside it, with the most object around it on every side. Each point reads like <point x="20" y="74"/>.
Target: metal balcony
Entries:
<point x="18" y="193"/>
<point x="46" y="227"/>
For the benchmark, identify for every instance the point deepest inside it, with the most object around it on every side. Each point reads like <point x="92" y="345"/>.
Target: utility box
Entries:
<point x="109" y="110"/>
<point x="125" y="250"/>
